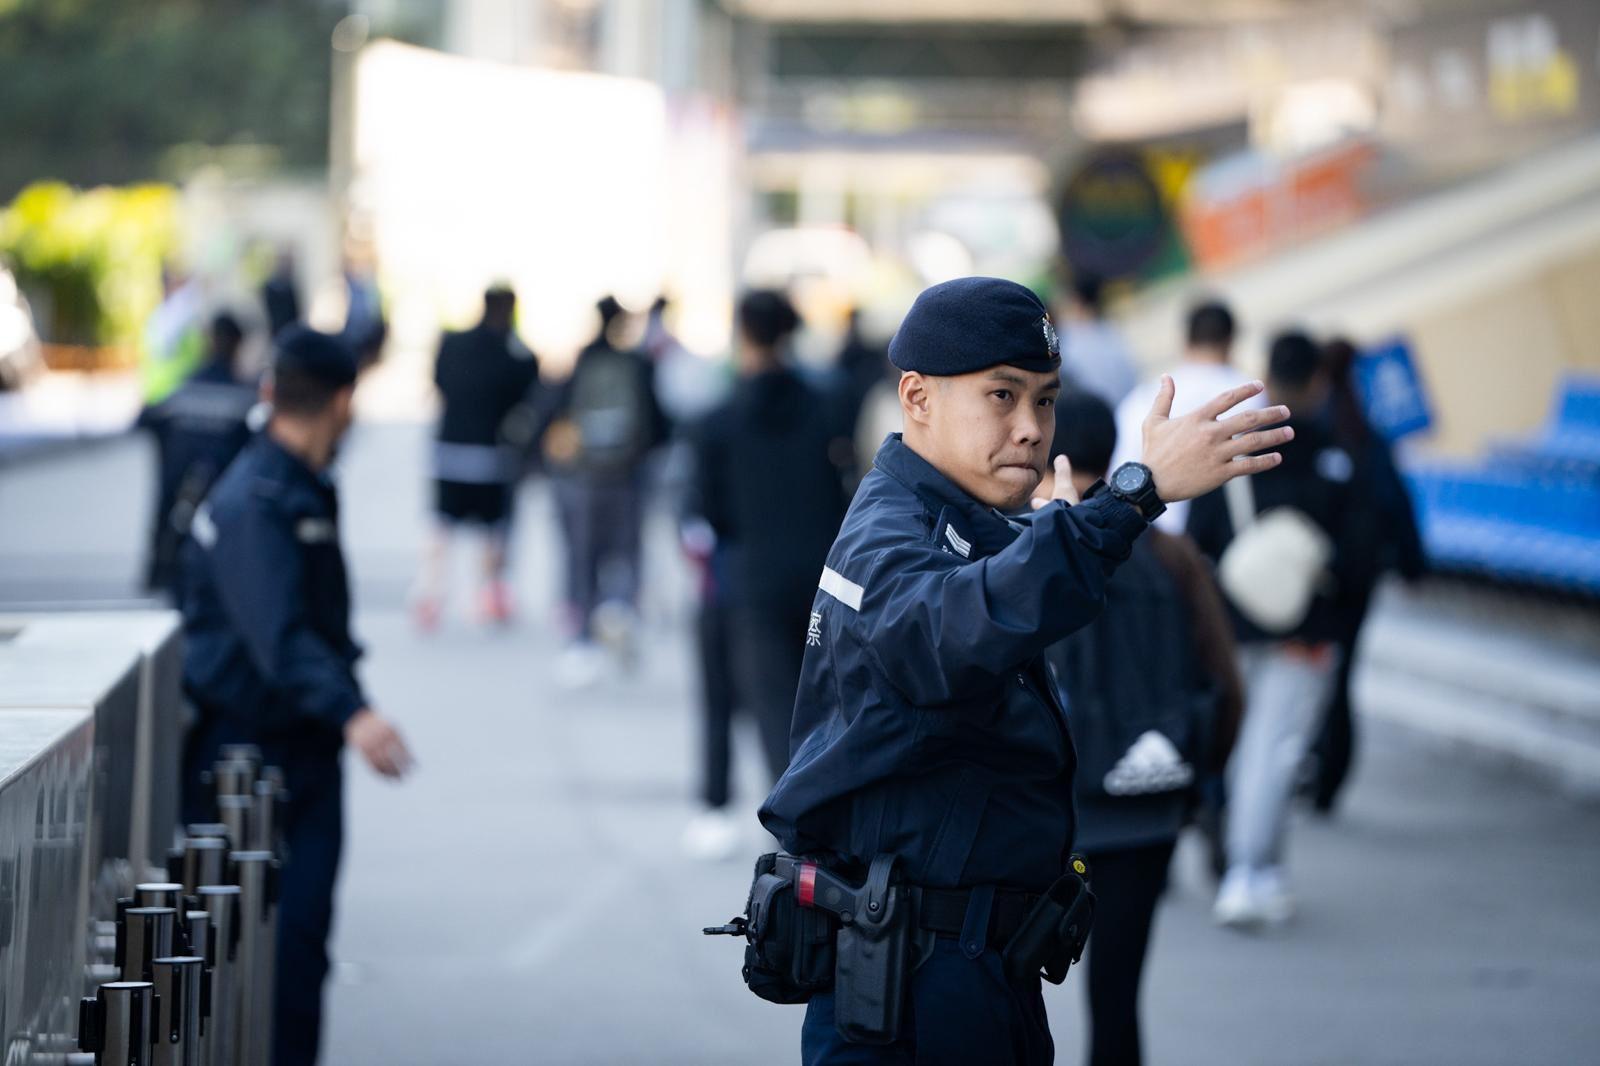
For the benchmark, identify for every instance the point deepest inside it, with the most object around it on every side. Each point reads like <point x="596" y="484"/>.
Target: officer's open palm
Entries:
<point x="1190" y="455"/>
<point x="378" y="742"/>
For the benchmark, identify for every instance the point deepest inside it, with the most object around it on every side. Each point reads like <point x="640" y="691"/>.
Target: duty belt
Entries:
<point x="944" y="911"/>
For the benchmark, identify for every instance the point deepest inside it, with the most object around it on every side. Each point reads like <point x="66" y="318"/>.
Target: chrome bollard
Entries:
<point x="258" y="907"/>
<point x="205" y="862"/>
<point x="230" y="985"/>
<point x="234" y="777"/>
<point x="201" y="934"/>
<point x="267" y="810"/>
<point x="116" y="1025"/>
<point x="237" y="813"/>
<point x="159" y="894"/>
<point x="181" y="1002"/>
<point x="148" y="933"/>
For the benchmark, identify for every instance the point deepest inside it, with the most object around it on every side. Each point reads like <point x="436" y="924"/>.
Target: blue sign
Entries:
<point x="1392" y="392"/>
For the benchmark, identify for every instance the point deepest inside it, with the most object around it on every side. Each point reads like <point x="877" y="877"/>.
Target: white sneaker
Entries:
<point x="580" y="666"/>
<point x="1273" y="899"/>
<point x="711" y="836"/>
<point x="1236" y="904"/>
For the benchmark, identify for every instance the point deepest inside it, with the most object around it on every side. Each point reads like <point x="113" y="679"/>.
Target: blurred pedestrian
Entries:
<point x="768" y="486"/>
<point x="269" y="658"/>
<point x="1094" y="357"/>
<point x="280" y="294"/>
<point x="486" y="377"/>
<point x="198" y="430"/>
<point x="927" y="727"/>
<point x="174" y="337"/>
<point x="365" y="325"/>
<point x="860" y="365"/>
<point x="1154" y="698"/>
<point x="1282" y="546"/>
<point x="1389" y="541"/>
<point x="604" y="421"/>
<point x="1205" y="370"/>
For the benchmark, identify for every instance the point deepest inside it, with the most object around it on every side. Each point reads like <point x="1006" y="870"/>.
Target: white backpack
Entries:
<point x="1275" y="563"/>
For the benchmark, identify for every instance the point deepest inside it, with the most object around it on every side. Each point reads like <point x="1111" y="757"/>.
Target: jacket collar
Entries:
<point x="283" y="463"/>
<point x="975" y="523"/>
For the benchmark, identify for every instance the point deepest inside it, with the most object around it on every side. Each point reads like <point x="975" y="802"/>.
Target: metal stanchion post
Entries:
<point x="147" y="935"/>
<point x="116" y="1025"/>
<point x="230" y="982"/>
<point x="180" y="1002"/>
<point x="201" y="934"/>
<point x="205" y="862"/>
<point x="264" y="815"/>
<point x="237" y="812"/>
<point x="257" y="951"/>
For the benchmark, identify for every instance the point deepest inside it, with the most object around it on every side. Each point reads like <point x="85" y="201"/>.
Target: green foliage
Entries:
<point x="97" y="91"/>
<point x="92" y="258"/>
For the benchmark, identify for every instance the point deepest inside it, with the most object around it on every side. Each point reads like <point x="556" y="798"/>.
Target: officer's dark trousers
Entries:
<point x="962" y="1012"/>
<point x="313" y="835"/>
<point x="769" y="645"/>
<point x="1127" y="886"/>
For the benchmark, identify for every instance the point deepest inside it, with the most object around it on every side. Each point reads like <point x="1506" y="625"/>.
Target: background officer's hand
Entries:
<point x="1191" y="455"/>
<point x="1061" y="489"/>
<point x="378" y="742"/>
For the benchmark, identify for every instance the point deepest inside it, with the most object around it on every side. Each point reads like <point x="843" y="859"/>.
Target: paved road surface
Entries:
<point x="522" y="898"/>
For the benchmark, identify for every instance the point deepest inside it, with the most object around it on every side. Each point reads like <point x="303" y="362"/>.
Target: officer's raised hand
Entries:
<point x="1190" y="455"/>
<point x="379" y="742"/>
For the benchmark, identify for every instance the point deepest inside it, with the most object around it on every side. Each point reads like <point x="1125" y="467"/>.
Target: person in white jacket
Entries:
<point x="1205" y="370"/>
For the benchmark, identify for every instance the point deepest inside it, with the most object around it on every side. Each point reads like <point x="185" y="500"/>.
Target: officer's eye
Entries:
<point x="1047" y="401"/>
<point x="1003" y="395"/>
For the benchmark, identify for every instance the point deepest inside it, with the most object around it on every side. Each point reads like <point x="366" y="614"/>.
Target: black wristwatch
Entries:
<point x="1133" y="483"/>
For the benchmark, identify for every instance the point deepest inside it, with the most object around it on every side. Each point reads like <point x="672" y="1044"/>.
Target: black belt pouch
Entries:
<point x="790" y="956"/>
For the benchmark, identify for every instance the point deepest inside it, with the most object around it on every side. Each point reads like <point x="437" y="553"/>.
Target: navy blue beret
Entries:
<point x="971" y="324"/>
<point x="318" y="355"/>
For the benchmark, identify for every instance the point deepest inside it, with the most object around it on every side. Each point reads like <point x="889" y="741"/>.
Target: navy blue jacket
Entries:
<point x="266" y="604"/>
<point x="927" y="723"/>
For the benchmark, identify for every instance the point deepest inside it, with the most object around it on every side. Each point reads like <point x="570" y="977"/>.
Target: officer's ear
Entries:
<point x="916" y="397"/>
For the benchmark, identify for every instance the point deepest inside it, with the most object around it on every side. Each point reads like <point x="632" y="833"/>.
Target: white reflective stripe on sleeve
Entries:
<point x="841" y="588"/>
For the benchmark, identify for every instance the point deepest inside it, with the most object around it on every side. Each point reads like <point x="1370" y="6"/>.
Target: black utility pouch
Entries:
<point x="1052" y="936"/>
<point x="874" y="958"/>
<point x="790" y="954"/>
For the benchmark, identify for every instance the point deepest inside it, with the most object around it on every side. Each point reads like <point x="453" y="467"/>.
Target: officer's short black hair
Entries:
<point x="1086" y="432"/>
<point x="766" y="316"/>
<point x="1211" y="325"/>
<point x="1293" y="360"/>
<point x="309" y="369"/>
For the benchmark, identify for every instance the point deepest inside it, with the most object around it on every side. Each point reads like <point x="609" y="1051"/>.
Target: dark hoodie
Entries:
<point x="768" y="481"/>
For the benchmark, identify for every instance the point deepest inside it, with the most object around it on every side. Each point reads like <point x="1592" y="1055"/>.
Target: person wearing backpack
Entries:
<point x="1282" y="541"/>
<point x="1144" y="736"/>
<point x="603" y="422"/>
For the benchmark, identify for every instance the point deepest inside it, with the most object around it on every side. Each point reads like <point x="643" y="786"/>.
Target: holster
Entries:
<point x="1052" y="936"/>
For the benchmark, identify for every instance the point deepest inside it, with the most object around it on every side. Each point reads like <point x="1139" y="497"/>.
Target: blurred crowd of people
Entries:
<point x="1251" y="599"/>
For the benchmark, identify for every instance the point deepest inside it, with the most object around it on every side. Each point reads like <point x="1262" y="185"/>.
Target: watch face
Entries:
<point x="1129" y="479"/>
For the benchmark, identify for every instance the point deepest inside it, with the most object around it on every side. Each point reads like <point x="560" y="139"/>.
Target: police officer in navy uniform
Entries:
<point x="198" y="431"/>
<point x="926" y="723"/>
<point x="269" y="658"/>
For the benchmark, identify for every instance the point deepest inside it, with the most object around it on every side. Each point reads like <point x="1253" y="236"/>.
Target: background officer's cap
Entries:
<point x="971" y="324"/>
<point x="315" y="355"/>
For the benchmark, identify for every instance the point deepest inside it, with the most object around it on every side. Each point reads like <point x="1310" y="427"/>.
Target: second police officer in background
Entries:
<point x="269" y="659"/>
<point x="926" y="723"/>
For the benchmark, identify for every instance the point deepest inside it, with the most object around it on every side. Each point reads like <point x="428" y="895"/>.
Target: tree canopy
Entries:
<point x="102" y="91"/>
